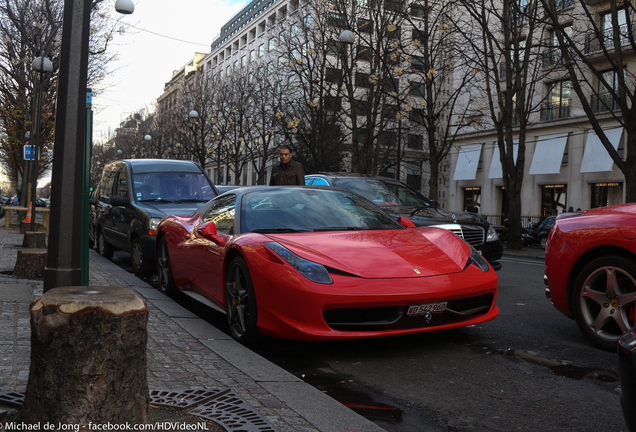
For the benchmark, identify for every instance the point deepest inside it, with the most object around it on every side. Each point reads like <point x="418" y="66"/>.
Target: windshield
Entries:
<point x="172" y="187"/>
<point x="304" y="210"/>
<point x="383" y="192"/>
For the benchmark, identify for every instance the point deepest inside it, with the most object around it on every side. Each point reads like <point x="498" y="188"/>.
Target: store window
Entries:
<point x="472" y="199"/>
<point x="553" y="199"/>
<point x="606" y="194"/>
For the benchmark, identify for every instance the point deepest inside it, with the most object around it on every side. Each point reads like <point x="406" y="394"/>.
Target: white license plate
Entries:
<point x="424" y="308"/>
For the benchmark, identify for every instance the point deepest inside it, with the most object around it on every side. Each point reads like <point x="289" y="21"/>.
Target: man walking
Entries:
<point x="287" y="172"/>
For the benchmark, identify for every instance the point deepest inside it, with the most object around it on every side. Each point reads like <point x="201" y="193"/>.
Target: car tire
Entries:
<point x="141" y="264"/>
<point x="543" y="241"/>
<point x="603" y="299"/>
<point x="164" y="268"/>
<point x="240" y="303"/>
<point x="104" y="248"/>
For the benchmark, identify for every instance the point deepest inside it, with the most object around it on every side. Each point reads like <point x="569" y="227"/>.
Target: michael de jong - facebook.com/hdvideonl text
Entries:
<point x="108" y="427"/>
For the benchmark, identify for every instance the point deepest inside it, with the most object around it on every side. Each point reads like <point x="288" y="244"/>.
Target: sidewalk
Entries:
<point x="184" y="352"/>
<point x="526" y="252"/>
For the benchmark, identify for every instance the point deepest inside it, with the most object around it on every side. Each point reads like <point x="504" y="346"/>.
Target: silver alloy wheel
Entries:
<point x="607" y="302"/>
<point x="543" y="242"/>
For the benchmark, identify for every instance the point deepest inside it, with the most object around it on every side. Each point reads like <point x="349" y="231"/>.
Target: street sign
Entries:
<point x="28" y="152"/>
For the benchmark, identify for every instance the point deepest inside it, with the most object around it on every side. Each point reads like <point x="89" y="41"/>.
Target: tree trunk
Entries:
<point x="88" y="358"/>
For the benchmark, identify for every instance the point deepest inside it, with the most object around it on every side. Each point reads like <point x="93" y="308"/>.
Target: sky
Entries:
<point x="158" y="40"/>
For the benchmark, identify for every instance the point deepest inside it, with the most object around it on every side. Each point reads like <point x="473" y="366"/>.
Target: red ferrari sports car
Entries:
<point x="309" y="263"/>
<point x="590" y="271"/>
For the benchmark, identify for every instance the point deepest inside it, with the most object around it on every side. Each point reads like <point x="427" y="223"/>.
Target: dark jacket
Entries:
<point x="290" y="174"/>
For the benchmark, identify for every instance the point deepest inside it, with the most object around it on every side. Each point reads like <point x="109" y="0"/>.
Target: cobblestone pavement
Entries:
<point x="184" y="352"/>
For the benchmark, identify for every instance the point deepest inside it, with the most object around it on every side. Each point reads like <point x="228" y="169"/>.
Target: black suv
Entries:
<point x="398" y="199"/>
<point x="134" y="195"/>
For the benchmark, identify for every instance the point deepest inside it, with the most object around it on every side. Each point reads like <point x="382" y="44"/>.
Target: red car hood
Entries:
<point x="415" y="252"/>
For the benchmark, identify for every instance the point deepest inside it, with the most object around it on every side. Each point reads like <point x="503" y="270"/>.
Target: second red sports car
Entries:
<point x="310" y="263"/>
<point x="590" y="262"/>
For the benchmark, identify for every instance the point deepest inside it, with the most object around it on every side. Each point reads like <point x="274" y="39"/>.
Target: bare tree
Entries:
<point x="503" y="40"/>
<point x="597" y="50"/>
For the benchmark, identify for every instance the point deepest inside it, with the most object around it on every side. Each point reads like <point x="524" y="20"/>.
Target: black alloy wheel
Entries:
<point x="604" y="300"/>
<point x="240" y="303"/>
<point x="166" y="282"/>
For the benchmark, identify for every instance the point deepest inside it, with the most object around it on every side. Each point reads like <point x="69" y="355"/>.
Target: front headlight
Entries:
<point x="476" y="258"/>
<point x="492" y="234"/>
<point x="313" y="271"/>
<point x="153" y="223"/>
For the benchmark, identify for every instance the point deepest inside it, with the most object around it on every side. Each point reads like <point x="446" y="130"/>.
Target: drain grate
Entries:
<point x="234" y="413"/>
<point x="12" y="399"/>
<point x="221" y="406"/>
<point x="183" y="399"/>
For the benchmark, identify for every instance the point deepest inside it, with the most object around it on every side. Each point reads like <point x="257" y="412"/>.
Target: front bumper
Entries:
<point x="292" y="307"/>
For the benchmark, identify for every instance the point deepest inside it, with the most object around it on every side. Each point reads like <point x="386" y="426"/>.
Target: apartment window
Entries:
<point x="365" y="25"/>
<point x="294" y="30"/>
<point x="236" y="65"/>
<point x="333" y="75"/>
<point x="362" y="80"/>
<point x="418" y="62"/>
<point x="270" y="68"/>
<point x="391" y="85"/>
<point x="334" y="47"/>
<point x="393" y="5"/>
<point x="363" y="53"/>
<point x="252" y="56"/>
<point x="416" y="142"/>
<point x="336" y="20"/>
<point x="389" y="111"/>
<point x="387" y="138"/>
<point x="417" y="115"/>
<point x="418" y="11"/>
<point x="228" y="71"/>
<point x="418" y="35"/>
<point x="393" y="31"/>
<point x="361" y="107"/>
<point x="417" y="88"/>
<point x="608" y="26"/>
<point x="261" y="50"/>
<point x="281" y="37"/>
<point x="307" y="21"/>
<point x="271" y="44"/>
<point x="558" y="101"/>
<point x="243" y="61"/>
<point x="604" y="99"/>
<point x="333" y="102"/>
<point x="281" y="61"/>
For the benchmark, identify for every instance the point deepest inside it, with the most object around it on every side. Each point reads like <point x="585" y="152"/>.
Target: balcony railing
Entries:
<point x="555" y="111"/>
<point x="552" y="58"/>
<point x="603" y="102"/>
<point x="606" y="39"/>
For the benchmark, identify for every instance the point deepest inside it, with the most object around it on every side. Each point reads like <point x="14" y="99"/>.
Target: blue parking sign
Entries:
<point x="28" y="152"/>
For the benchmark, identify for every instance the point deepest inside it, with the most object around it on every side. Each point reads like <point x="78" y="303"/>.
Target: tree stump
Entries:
<point x="26" y="226"/>
<point x="88" y="358"/>
<point x="30" y="263"/>
<point x="34" y="240"/>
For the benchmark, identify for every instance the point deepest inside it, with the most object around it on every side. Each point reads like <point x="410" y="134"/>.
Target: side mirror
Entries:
<point x="118" y="201"/>
<point x="209" y="231"/>
<point x="406" y="222"/>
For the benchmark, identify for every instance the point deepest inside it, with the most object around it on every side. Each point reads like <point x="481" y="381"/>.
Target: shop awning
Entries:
<point x="495" y="166"/>
<point x="467" y="161"/>
<point x="548" y="154"/>
<point x="596" y="158"/>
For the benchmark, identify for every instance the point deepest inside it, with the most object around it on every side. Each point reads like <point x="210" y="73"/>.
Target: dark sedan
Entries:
<point x="398" y="199"/>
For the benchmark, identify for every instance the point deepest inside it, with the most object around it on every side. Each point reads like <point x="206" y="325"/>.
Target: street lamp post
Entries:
<point x="40" y="65"/>
<point x="148" y="139"/>
<point x="65" y="240"/>
<point x="194" y="115"/>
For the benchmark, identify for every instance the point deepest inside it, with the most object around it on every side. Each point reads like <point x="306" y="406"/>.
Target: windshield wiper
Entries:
<point x="277" y="230"/>
<point x="156" y="200"/>
<point x="351" y="228"/>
